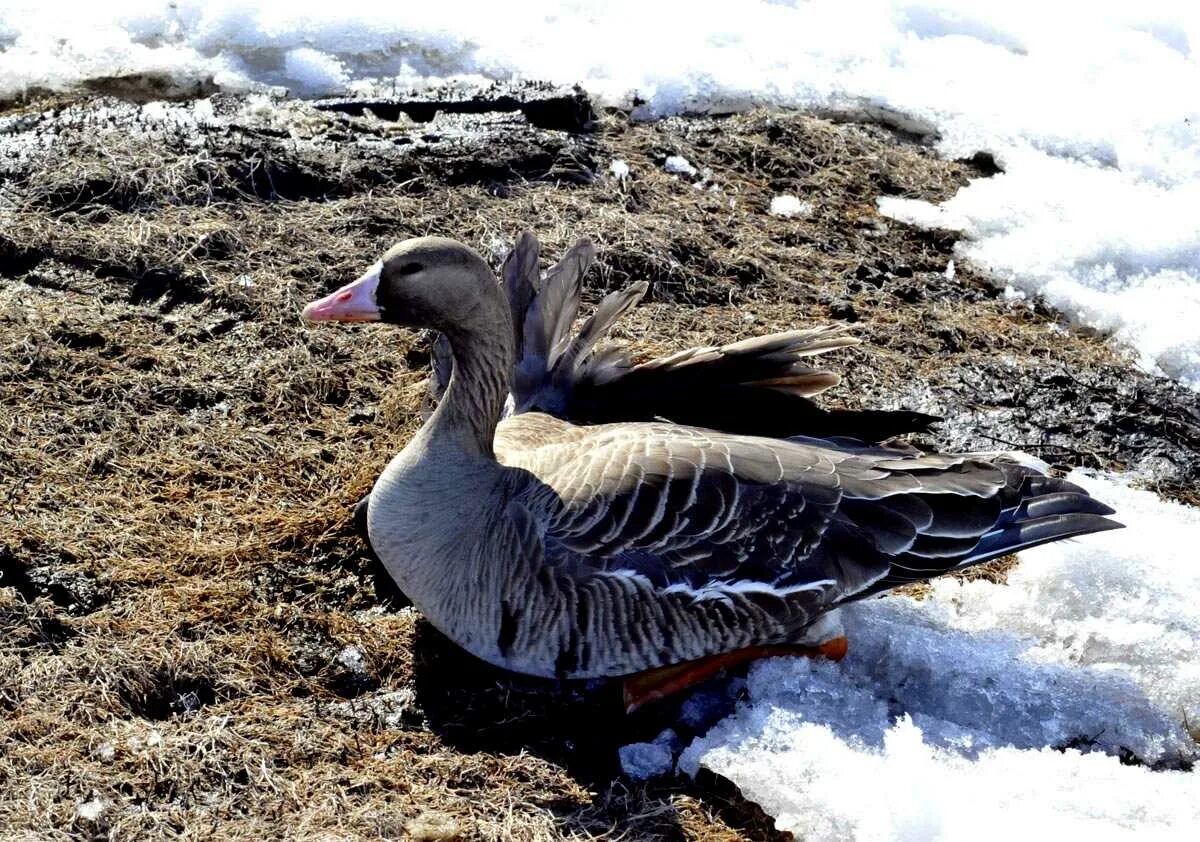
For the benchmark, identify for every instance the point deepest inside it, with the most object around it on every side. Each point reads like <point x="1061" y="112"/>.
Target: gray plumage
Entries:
<point x="554" y="549"/>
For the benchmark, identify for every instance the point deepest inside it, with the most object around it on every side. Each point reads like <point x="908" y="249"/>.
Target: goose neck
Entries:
<point x="479" y="385"/>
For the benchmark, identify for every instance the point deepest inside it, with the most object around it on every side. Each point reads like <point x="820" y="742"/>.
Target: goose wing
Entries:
<point x="761" y="386"/>
<point x="758" y="386"/>
<point x="695" y="508"/>
<point x="743" y="541"/>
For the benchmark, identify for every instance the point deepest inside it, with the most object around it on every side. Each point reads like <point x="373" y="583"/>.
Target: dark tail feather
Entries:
<point x="520" y="276"/>
<point x="871" y="425"/>
<point x="758" y="386"/>
<point x="552" y="312"/>
<point x="736" y="408"/>
<point x="680" y="385"/>
<point x="571" y="366"/>
<point x="546" y="321"/>
<point x="1025" y="534"/>
<point x="1036" y="509"/>
<point x="1039" y="508"/>
<point x="1057" y="503"/>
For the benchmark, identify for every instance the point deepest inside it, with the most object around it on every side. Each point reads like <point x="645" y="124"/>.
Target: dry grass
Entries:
<point x="180" y="455"/>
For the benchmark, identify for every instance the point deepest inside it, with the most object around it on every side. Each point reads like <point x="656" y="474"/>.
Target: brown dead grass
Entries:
<point x="180" y="456"/>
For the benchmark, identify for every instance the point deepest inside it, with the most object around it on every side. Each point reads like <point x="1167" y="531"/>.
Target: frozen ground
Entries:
<point x="1081" y="104"/>
<point x="991" y="711"/>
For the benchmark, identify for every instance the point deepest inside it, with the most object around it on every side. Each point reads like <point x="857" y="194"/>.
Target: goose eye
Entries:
<point x="409" y="269"/>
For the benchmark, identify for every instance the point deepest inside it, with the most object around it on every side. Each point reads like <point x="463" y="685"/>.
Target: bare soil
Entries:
<point x="193" y="644"/>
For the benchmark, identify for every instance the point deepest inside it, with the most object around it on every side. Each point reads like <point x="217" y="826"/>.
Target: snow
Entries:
<point x="826" y="785"/>
<point x="787" y="205"/>
<point x="317" y="69"/>
<point x="990" y="710"/>
<point x="643" y="761"/>
<point x="1106" y="248"/>
<point x="679" y="165"/>
<point x="1084" y="105"/>
<point x="1122" y="602"/>
<point x="352" y="658"/>
<point x="92" y="810"/>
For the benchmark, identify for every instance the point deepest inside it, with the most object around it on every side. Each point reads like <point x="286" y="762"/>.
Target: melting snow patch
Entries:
<point x="1109" y="249"/>
<point x="642" y="761"/>
<point x="992" y="709"/>
<point x="91" y="810"/>
<point x="788" y="206"/>
<point x="679" y="165"/>
<point x="315" y="71"/>
<point x="922" y="214"/>
<point x="351" y="657"/>
<point x="1121" y="603"/>
<point x="827" y="787"/>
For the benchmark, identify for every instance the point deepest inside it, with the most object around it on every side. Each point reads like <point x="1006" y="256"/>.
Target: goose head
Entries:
<point x="424" y="282"/>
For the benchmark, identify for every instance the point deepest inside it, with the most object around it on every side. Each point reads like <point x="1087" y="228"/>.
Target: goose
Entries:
<point x="653" y="551"/>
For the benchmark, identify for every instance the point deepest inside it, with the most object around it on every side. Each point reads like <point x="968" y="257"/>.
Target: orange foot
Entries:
<point x="644" y="687"/>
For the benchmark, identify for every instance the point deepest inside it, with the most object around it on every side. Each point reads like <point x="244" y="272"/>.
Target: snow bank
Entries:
<point x="1083" y="104"/>
<point x="1102" y="246"/>
<point x="826" y="786"/>
<point x="991" y="710"/>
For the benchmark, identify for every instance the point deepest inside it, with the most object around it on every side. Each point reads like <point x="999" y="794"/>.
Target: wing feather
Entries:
<point x="709" y="513"/>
